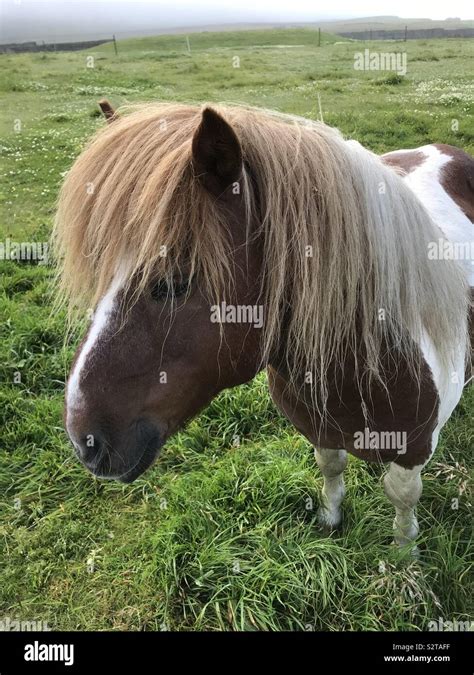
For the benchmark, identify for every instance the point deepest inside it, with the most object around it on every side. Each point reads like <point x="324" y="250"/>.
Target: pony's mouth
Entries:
<point x="145" y="460"/>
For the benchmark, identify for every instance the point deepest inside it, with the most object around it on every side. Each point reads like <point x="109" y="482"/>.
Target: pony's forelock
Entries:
<point x="132" y="195"/>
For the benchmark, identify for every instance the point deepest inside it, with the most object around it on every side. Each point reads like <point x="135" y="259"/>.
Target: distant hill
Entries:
<point x="393" y="23"/>
<point x="374" y="23"/>
<point x="397" y="28"/>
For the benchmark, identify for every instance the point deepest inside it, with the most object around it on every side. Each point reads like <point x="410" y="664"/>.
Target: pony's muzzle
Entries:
<point x="121" y="459"/>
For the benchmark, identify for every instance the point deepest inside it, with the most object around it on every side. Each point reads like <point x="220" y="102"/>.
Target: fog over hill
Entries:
<point x="77" y="20"/>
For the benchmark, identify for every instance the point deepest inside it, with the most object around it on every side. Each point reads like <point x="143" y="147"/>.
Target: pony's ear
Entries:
<point x="107" y="111"/>
<point x="217" y="156"/>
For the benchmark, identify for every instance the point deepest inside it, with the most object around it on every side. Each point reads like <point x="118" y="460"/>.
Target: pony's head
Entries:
<point x="153" y="225"/>
<point x="210" y="242"/>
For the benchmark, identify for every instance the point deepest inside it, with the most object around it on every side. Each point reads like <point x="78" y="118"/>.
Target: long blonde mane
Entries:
<point x="345" y="241"/>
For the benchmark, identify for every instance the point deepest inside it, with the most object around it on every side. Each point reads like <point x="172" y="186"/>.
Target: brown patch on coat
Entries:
<point x="404" y="406"/>
<point x="457" y="178"/>
<point x="406" y="161"/>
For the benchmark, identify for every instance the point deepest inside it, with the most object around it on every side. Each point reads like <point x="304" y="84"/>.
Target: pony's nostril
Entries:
<point x="89" y="447"/>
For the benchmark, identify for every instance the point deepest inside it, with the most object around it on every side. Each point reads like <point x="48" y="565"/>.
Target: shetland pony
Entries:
<point x="181" y="224"/>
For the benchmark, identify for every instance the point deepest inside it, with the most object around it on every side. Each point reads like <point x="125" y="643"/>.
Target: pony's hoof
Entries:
<point x="329" y="519"/>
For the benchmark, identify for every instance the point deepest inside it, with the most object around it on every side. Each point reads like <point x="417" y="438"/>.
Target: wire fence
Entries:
<point x="408" y="33"/>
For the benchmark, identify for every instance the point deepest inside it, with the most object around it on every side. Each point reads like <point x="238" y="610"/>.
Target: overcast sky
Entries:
<point x="88" y="19"/>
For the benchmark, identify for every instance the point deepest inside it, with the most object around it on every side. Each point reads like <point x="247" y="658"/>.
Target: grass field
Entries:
<point x="221" y="534"/>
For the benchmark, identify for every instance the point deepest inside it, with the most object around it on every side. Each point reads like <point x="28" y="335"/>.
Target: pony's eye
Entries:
<point x="161" y="290"/>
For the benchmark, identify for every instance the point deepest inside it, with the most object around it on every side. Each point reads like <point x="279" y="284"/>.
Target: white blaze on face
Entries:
<point x="104" y="312"/>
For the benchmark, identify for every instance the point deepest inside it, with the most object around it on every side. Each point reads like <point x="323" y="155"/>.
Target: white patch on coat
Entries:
<point x="103" y="313"/>
<point x="425" y="181"/>
<point x="449" y="384"/>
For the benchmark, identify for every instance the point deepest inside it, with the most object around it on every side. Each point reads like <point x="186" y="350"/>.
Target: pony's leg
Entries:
<point x="403" y="488"/>
<point x="332" y="464"/>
